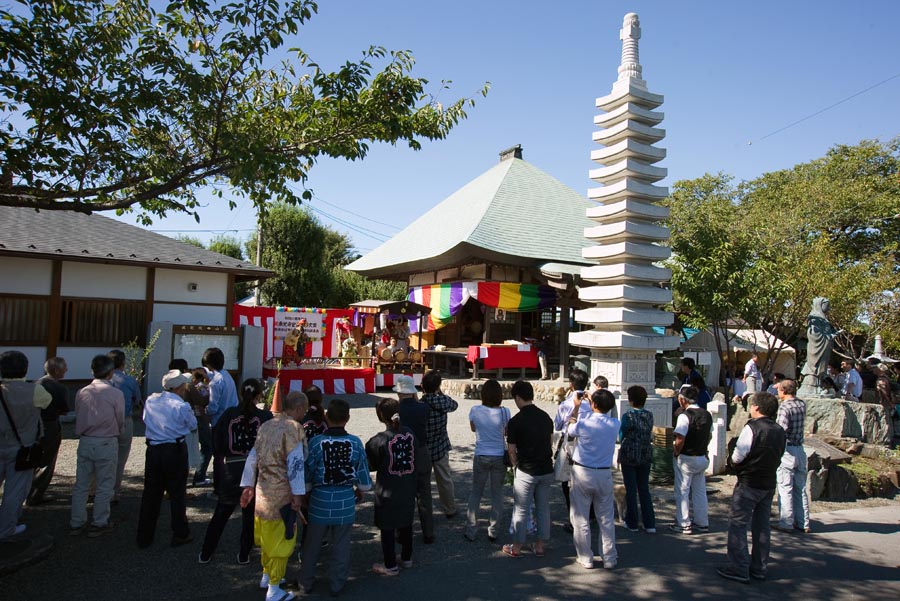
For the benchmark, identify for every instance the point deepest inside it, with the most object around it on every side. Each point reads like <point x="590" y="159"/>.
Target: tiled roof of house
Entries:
<point x="512" y="214"/>
<point x="93" y="238"/>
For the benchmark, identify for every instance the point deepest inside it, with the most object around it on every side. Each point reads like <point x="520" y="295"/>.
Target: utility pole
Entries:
<point x="259" y="243"/>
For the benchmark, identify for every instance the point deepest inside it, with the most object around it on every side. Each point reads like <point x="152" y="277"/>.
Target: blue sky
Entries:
<point x="731" y="73"/>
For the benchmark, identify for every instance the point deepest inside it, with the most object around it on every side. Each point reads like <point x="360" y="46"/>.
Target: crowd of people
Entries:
<point x="298" y="475"/>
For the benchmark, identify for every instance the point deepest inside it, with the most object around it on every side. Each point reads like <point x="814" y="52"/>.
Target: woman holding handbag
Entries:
<point x="20" y="428"/>
<point x="488" y="422"/>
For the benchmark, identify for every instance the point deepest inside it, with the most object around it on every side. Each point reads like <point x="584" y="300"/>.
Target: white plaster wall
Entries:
<point x="172" y="285"/>
<point x="25" y="276"/>
<point x="36" y="357"/>
<point x="94" y="280"/>
<point x="78" y="359"/>
<point x="190" y="315"/>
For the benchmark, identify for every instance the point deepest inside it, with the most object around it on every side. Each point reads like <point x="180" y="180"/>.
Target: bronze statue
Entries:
<point x="820" y="341"/>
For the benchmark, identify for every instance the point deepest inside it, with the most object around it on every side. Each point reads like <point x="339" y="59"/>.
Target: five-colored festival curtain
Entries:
<point x="446" y="300"/>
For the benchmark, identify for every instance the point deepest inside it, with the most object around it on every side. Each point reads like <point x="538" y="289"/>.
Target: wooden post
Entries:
<point x="564" y="313"/>
<point x="54" y="319"/>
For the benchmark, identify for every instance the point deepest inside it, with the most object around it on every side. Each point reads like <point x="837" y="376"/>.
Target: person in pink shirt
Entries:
<point x="99" y="420"/>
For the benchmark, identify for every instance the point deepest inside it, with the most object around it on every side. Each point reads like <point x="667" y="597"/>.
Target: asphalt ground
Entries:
<point x="851" y="554"/>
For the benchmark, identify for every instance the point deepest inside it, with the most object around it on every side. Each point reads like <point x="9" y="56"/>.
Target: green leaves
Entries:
<point x="758" y="252"/>
<point x="126" y="105"/>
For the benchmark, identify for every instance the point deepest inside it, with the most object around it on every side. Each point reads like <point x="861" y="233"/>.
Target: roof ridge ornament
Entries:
<point x="630" y="68"/>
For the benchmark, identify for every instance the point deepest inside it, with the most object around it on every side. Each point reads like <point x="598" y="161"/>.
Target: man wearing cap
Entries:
<point x="99" y="420"/>
<point x="693" y="430"/>
<point x="167" y="420"/>
<point x="414" y="415"/>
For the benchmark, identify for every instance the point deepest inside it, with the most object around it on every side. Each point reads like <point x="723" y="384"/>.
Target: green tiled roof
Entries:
<point x="512" y="214"/>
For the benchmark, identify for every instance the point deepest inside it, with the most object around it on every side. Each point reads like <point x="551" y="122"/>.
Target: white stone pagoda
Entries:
<point x="627" y="237"/>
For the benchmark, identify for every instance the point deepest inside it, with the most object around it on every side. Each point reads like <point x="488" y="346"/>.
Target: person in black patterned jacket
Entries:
<point x="635" y="457"/>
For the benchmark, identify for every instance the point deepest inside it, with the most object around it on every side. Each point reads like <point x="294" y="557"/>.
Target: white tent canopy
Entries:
<point x="742" y="342"/>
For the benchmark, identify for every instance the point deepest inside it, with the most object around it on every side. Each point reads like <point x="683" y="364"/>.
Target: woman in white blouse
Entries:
<point x="488" y="422"/>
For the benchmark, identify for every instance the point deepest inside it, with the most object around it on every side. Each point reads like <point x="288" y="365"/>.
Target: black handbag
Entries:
<point x="30" y="457"/>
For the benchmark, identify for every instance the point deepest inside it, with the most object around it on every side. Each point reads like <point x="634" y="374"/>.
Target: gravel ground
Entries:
<point x="111" y="567"/>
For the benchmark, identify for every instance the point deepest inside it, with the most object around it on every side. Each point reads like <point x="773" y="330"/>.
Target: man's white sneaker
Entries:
<point x="404" y="564"/>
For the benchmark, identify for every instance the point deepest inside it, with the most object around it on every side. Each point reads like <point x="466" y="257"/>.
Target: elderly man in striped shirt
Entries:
<point x="793" y="502"/>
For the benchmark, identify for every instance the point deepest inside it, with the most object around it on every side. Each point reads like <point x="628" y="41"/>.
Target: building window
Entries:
<point x="101" y="322"/>
<point x="23" y="320"/>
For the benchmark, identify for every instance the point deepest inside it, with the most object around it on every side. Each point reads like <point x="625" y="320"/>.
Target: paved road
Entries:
<point x="852" y="554"/>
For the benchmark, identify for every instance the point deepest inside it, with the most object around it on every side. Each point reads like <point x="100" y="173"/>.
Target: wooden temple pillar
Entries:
<point x="565" y="312"/>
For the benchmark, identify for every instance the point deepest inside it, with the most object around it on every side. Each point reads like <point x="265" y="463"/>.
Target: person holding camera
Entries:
<point x="578" y="381"/>
<point x="592" y="482"/>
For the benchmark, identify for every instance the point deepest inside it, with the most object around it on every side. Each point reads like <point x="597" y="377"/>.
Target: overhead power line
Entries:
<point x="197" y="230"/>
<point x="368" y="219"/>
<point x="829" y="107"/>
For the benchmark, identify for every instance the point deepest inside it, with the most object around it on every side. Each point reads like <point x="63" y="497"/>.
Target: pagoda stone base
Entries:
<point x="627" y="368"/>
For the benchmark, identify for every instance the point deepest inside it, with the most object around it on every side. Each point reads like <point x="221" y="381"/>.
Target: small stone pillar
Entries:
<point x="718" y="447"/>
<point x="661" y="408"/>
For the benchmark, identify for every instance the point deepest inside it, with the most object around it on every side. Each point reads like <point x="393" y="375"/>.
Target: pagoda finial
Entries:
<point x="630" y="34"/>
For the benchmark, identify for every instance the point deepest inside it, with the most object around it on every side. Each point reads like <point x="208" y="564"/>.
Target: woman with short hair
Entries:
<point x="488" y="421"/>
<point x="635" y="458"/>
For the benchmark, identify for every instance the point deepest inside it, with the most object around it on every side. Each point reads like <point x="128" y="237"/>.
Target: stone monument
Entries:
<point x="626" y="289"/>
<point x="820" y="336"/>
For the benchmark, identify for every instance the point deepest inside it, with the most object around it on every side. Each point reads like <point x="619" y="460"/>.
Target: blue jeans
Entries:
<point x="637" y="486"/>
<point x="528" y="489"/>
<point x="484" y="468"/>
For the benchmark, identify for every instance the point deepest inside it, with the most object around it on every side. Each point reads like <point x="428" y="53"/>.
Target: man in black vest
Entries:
<point x="693" y="429"/>
<point x="756" y="459"/>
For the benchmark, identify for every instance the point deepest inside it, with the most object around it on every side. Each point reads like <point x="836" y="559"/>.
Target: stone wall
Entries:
<point x="830" y="417"/>
<point x="849" y="419"/>
<point x="553" y="392"/>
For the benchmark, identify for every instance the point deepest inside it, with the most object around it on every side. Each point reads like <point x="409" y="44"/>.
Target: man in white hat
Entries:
<point x="414" y="415"/>
<point x="168" y="419"/>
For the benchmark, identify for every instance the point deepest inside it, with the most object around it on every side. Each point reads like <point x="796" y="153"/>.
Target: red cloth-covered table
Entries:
<point x="331" y="380"/>
<point x="522" y="356"/>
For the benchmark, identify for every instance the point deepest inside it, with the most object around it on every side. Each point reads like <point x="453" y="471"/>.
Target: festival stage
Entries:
<point x="384" y="379"/>
<point x="502" y="356"/>
<point x="331" y="380"/>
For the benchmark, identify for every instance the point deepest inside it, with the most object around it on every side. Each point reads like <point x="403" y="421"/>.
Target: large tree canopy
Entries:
<point x="758" y="252"/>
<point x="135" y="105"/>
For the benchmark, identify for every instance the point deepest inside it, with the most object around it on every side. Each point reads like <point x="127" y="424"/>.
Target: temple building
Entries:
<point x="496" y="260"/>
